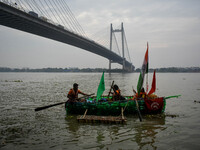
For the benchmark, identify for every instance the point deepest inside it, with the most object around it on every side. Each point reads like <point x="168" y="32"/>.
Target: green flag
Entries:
<point x="140" y="83"/>
<point x="101" y="87"/>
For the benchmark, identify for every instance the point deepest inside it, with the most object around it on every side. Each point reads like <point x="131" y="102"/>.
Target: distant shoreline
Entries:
<point x="164" y="70"/>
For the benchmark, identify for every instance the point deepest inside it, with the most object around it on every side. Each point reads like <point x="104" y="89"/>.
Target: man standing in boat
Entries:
<point x="73" y="93"/>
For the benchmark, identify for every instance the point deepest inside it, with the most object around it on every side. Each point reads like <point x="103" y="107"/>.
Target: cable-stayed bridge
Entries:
<point x="22" y="15"/>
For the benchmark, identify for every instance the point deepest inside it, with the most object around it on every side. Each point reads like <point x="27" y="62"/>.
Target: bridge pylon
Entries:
<point x="123" y="38"/>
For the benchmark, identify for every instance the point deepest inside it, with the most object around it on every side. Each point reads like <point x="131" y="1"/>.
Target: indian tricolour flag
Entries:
<point x="143" y="71"/>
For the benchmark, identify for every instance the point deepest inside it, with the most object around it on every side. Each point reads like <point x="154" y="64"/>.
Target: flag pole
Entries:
<point x="147" y="71"/>
<point x="147" y="86"/>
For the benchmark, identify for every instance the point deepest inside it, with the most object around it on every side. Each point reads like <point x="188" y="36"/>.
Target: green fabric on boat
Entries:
<point x="107" y="108"/>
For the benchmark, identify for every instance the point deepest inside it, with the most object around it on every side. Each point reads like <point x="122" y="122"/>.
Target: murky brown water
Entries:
<point x="23" y="128"/>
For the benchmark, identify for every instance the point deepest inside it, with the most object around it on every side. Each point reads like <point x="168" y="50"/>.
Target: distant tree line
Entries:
<point x="169" y="69"/>
<point x="174" y="69"/>
<point x="5" y="69"/>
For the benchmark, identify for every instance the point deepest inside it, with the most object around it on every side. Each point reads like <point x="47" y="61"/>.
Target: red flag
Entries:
<point x="153" y="86"/>
<point x="145" y="66"/>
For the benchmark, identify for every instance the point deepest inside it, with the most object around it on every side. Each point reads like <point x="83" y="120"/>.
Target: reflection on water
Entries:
<point x="23" y="128"/>
<point x="151" y="129"/>
<point x="142" y="135"/>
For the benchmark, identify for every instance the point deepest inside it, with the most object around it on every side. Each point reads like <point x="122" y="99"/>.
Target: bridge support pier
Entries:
<point x="123" y="66"/>
<point x="109" y="65"/>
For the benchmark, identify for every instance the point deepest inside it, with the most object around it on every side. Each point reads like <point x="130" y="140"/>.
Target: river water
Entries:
<point x="23" y="128"/>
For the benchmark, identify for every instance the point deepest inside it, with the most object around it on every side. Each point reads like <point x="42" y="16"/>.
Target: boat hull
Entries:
<point x="114" y="108"/>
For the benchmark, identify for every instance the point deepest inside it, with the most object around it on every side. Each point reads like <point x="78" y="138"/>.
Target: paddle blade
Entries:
<point x="45" y="107"/>
<point x="175" y="96"/>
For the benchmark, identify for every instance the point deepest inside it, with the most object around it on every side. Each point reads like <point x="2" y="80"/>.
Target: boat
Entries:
<point x="141" y="104"/>
<point x="104" y="107"/>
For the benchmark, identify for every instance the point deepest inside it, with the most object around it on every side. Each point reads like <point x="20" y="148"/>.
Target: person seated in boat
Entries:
<point x="142" y="94"/>
<point x="73" y="93"/>
<point x="152" y="96"/>
<point x="117" y="93"/>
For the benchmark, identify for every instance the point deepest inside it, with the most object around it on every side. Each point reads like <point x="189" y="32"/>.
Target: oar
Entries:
<point x="137" y="106"/>
<point x="45" y="107"/>
<point x="175" y="96"/>
<point x="110" y="89"/>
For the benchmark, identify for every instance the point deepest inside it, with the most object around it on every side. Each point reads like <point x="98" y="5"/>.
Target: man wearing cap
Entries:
<point x="73" y="93"/>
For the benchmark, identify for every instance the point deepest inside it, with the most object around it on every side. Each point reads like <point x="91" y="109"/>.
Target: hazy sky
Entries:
<point x="172" y="28"/>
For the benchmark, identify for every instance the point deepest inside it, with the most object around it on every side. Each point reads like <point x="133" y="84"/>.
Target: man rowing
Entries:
<point x="117" y="93"/>
<point x="73" y="93"/>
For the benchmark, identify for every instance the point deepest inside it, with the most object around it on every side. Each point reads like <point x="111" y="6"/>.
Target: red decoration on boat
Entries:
<point x="154" y="105"/>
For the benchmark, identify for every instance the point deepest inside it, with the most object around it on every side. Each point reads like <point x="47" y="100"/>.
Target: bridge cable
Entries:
<point x="63" y="17"/>
<point x="48" y="15"/>
<point x="69" y="22"/>
<point x="71" y="18"/>
<point x="51" y="11"/>
<point x="127" y="47"/>
<point x="25" y="6"/>
<point x="101" y="37"/>
<point x="104" y="43"/>
<point x="56" y="10"/>
<point x="116" y="43"/>
<point x="44" y="12"/>
<point x="102" y="40"/>
<point x="59" y="8"/>
<point x="20" y="5"/>
<point x="74" y="18"/>
<point x="69" y="25"/>
<point x="45" y="15"/>
<point x="57" y="13"/>
<point x="72" y="28"/>
<point x="35" y="6"/>
<point x="29" y="5"/>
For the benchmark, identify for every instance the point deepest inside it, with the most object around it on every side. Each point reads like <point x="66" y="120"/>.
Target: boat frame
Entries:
<point x="111" y="108"/>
